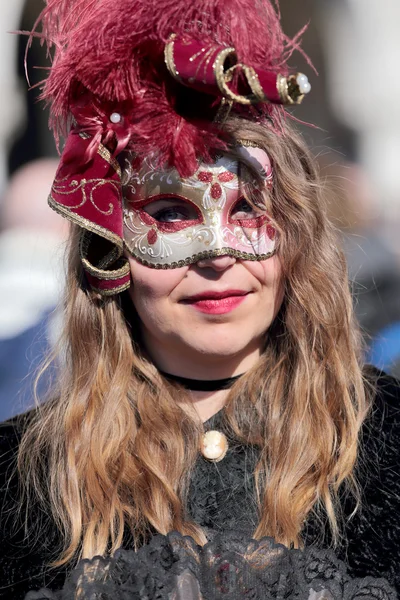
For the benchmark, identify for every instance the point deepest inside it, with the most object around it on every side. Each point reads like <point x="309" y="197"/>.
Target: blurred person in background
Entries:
<point x="28" y="284"/>
<point x="362" y="49"/>
<point x="31" y="244"/>
<point x="355" y="45"/>
<point x="374" y="267"/>
<point x="12" y="109"/>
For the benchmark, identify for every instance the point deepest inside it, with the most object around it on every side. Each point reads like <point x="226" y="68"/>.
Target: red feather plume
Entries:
<point x="108" y="56"/>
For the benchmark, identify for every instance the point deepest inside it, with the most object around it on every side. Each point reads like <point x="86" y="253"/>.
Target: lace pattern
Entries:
<point x="231" y="567"/>
<point x="222" y="497"/>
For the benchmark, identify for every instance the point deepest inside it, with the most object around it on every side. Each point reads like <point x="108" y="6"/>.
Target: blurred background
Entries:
<point x="354" y="109"/>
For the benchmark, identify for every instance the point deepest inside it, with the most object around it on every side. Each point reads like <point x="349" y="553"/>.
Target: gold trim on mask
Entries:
<point x="108" y="157"/>
<point x="212" y="237"/>
<point x="222" y="77"/>
<point x="114" y="291"/>
<point x="84" y="245"/>
<point x="282" y="87"/>
<point x="250" y="144"/>
<point x="204" y="255"/>
<point x="104" y="274"/>
<point x="85" y="223"/>
<point x="255" y="85"/>
<point x="169" y="57"/>
<point x="101" y="270"/>
<point x="109" y="259"/>
<point x="289" y="90"/>
<point x="104" y="153"/>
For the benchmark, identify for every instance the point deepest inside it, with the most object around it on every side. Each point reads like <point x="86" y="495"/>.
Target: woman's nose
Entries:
<point x="218" y="263"/>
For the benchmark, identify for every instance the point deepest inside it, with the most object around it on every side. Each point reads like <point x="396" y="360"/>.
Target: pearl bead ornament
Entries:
<point x="303" y="83"/>
<point x="214" y="445"/>
<point x="115" y="118"/>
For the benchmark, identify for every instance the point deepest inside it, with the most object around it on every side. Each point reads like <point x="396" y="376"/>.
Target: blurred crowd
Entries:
<point x="355" y="114"/>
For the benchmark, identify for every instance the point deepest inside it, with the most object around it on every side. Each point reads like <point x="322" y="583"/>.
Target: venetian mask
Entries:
<point x="171" y="222"/>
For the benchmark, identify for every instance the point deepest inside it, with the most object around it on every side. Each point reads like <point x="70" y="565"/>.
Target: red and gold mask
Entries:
<point x="170" y="221"/>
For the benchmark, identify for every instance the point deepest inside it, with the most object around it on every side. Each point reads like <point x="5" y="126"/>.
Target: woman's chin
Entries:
<point x="215" y="349"/>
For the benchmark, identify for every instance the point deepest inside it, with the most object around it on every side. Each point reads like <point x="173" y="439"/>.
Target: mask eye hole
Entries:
<point x="242" y="209"/>
<point x="167" y="213"/>
<point x="244" y="214"/>
<point x="171" y="210"/>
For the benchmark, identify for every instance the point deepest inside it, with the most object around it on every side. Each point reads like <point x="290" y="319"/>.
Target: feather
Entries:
<point x="114" y="49"/>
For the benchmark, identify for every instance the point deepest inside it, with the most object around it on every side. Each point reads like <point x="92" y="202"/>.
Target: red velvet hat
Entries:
<point x="153" y="77"/>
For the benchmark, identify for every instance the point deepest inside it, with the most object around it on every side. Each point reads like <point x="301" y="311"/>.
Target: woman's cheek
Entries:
<point x="153" y="284"/>
<point x="268" y="272"/>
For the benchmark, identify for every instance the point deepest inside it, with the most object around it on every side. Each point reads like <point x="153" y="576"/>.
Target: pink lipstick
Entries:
<point x="217" y="303"/>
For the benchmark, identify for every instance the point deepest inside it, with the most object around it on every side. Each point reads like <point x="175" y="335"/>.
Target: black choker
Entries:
<point x="202" y="385"/>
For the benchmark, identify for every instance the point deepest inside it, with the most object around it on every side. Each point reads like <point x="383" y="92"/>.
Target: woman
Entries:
<point x="211" y="376"/>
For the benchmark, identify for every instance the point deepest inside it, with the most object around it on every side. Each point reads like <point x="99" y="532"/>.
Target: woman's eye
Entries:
<point x="244" y="210"/>
<point x="170" y="215"/>
<point x="171" y="211"/>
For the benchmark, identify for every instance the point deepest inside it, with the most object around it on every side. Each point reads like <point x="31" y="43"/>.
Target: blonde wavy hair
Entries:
<point x="115" y="449"/>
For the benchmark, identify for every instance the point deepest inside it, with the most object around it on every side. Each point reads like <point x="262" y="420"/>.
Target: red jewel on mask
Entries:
<point x="152" y="236"/>
<point x="216" y="191"/>
<point x="216" y="188"/>
<point x="205" y="177"/>
<point x="225" y="177"/>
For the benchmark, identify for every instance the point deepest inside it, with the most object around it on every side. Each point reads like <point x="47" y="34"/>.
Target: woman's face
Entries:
<point x="216" y="310"/>
<point x="206" y="319"/>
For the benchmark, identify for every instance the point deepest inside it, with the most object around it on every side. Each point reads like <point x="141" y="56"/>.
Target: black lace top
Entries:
<point x="231" y="567"/>
<point x="222" y="501"/>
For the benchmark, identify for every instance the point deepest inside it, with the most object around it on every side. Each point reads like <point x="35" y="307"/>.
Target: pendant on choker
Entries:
<point x="214" y="445"/>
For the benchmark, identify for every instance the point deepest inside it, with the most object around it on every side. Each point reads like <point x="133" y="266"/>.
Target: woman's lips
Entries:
<point x="217" y="303"/>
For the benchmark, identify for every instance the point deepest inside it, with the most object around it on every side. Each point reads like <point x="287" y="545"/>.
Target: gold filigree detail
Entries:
<point x="104" y="153"/>
<point x="85" y="223"/>
<point x="282" y="87"/>
<point x="104" y="274"/>
<point x="169" y="57"/>
<point x="117" y="290"/>
<point x="194" y="56"/>
<point x="249" y="144"/>
<point x="59" y="189"/>
<point x="222" y="76"/>
<point x="289" y="90"/>
<point x="203" y="62"/>
<point x="109" y="258"/>
<point x="108" y="157"/>
<point x="294" y="89"/>
<point x="255" y="85"/>
<point x="206" y="254"/>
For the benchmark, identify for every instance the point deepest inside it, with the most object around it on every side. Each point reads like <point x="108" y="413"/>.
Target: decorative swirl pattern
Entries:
<point x="88" y="188"/>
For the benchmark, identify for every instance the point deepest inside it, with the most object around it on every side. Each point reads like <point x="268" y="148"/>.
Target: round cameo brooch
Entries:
<point x="214" y="445"/>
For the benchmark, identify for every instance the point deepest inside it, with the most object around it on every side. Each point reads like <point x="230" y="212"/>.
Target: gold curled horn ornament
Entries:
<point x="215" y="70"/>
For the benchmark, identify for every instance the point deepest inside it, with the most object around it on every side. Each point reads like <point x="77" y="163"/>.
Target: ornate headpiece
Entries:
<point x="155" y="78"/>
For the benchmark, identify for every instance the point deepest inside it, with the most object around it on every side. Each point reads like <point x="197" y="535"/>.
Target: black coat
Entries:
<point x="222" y="498"/>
